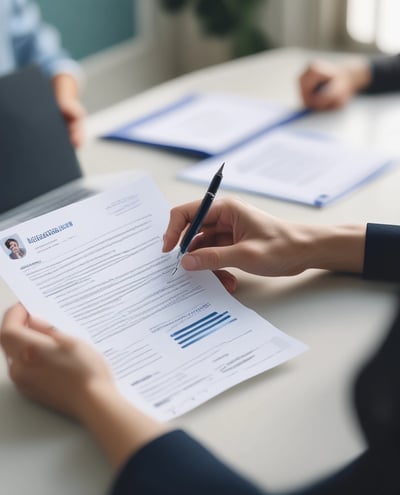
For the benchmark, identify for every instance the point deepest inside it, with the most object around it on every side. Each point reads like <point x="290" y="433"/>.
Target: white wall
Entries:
<point x="303" y="23"/>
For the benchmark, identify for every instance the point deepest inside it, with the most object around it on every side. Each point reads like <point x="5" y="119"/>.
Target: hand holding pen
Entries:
<point x="202" y="211"/>
<point x="326" y="86"/>
<point x="238" y="235"/>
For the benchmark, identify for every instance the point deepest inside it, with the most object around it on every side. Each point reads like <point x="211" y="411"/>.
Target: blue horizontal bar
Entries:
<point x="193" y="324"/>
<point x="207" y="334"/>
<point x="215" y="324"/>
<point x="197" y="327"/>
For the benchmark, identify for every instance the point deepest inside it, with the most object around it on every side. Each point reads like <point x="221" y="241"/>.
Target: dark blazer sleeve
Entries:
<point x="385" y="75"/>
<point x="377" y="394"/>
<point x="176" y="464"/>
<point x="382" y="252"/>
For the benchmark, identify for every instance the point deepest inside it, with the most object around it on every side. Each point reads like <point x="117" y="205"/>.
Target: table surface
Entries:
<point x="286" y="426"/>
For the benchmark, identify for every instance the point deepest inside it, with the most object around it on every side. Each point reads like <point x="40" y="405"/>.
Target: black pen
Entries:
<point x="197" y="221"/>
<point x="319" y="87"/>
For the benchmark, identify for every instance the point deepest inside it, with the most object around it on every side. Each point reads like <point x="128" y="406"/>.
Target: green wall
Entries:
<point x="88" y="26"/>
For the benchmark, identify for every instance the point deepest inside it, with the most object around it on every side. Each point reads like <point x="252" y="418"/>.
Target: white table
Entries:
<point x="288" y="425"/>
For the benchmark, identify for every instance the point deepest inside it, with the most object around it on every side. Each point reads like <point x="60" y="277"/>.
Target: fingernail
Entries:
<point x="190" y="262"/>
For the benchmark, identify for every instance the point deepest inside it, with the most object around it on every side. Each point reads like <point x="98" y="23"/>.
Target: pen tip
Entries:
<point x="176" y="267"/>
<point x="221" y="168"/>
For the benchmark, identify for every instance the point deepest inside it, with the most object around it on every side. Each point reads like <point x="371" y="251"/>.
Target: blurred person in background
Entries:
<point x="328" y="86"/>
<point x="26" y="39"/>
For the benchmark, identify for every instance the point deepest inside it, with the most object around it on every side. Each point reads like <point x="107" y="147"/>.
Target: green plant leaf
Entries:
<point x="234" y="18"/>
<point x="216" y="17"/>
<point x="249" y="40"/>
<point x="173" y="5"/>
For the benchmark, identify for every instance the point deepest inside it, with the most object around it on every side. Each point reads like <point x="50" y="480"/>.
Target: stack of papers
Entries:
<point x="293" y="166"/>
<point x="261" y="155"/>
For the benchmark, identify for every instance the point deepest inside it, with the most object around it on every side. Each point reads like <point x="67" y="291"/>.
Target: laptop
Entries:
<point x="39" y="170"/>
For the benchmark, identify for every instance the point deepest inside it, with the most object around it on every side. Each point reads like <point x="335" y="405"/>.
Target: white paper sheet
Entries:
<point x="298" y="167"/>
<point x="95" y="270"/>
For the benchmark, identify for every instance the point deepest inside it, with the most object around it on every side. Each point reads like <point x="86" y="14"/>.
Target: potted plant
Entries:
<point x="236" y="19"/>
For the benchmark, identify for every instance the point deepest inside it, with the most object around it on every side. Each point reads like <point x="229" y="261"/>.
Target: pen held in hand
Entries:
<point x="197" y="221"/>
<point x="320" y="87"/>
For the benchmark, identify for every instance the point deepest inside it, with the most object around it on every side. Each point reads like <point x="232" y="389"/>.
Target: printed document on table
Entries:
<point x="300" y="167"/>
<point x="206" y="123"/>
<point x="95" y="269"/>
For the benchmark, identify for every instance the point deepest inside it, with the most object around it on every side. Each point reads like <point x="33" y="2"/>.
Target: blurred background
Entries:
<point x="127" y="46"/>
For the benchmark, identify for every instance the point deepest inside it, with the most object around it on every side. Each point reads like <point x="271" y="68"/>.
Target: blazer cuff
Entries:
<point x="382" y="252"/>
<point x="385" y="72"/>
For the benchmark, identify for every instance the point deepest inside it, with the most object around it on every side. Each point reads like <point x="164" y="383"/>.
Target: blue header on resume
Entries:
<point x="49" y="233"/>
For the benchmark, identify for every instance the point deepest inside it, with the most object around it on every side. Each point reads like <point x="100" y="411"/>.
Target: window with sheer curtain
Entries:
<point x="374" y="23"/>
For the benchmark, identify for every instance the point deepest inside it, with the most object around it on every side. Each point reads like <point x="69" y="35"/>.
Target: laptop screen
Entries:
<point x="36" y="154"/>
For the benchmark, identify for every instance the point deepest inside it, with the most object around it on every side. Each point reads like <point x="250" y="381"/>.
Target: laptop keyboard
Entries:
<point x="48" y="202"/>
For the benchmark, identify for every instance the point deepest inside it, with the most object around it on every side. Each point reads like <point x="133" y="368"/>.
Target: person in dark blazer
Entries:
<point x="69" y="376"/>
<point x="328" y="86"/>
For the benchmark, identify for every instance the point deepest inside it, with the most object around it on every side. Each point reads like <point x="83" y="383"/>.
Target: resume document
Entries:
<point x="95" y="269"/>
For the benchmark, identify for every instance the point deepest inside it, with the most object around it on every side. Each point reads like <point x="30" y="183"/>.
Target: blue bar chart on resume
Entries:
<point x="202" y="328"/>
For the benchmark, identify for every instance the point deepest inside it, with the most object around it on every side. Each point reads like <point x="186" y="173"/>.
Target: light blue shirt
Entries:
<point x="25" y="39"/>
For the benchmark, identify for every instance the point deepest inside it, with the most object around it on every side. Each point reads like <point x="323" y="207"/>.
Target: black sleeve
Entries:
<point x="385" y="75"/>
<point x="377" y="393"/>
<point x="175" y="464"/>
<point x="382" y="252"/>
<point x="372" y="473"/>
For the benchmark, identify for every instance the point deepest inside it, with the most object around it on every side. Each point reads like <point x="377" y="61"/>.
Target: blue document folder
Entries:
<point x="205" y="124"/>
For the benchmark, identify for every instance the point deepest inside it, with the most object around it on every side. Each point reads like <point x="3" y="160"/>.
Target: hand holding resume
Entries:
<point x="172" y="342"/>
